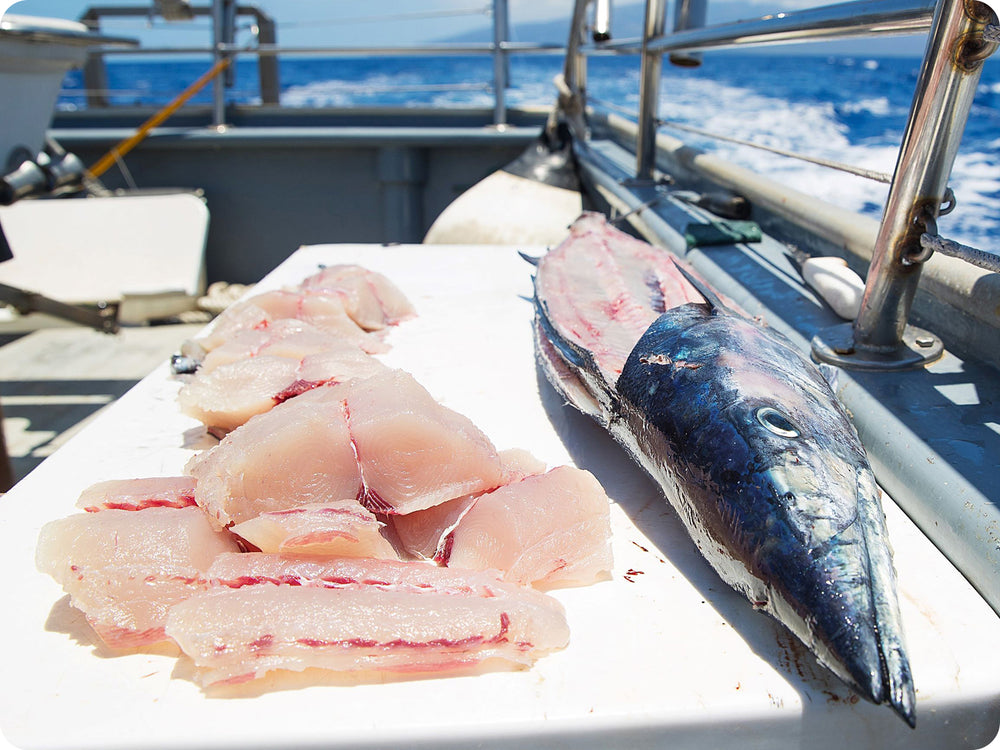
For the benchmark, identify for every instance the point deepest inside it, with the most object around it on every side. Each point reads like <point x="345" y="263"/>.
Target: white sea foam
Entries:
<point x="877" y="105"/>
<point x="333" y="92"/>
<point x="818" y="129"/>
<point x="814" y="129"/>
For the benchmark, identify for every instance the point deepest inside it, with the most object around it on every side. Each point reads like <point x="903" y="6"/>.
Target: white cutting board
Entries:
<point x="662" y="654"/>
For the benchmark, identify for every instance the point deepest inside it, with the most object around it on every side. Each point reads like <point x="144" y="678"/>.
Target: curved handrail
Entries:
<point x="957" y="47"/>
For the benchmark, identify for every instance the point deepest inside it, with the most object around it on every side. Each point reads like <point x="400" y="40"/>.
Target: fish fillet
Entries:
<point x="285" y="337"/>
<point x="422" y="533"/>
<point x="382" y="440"/>
<point x="138" y="494"/>
<point x="321" y="310"/>
<point x="226" y="396"/>
<point x="545" y="530"/>
<point x="350" y="615"/>
<point x="370" y="299"/>
<point x="124" y="569"/>
<point x="337" y="529"/>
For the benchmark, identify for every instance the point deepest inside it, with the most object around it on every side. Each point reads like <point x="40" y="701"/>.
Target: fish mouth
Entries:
<point x="838" y="597"/>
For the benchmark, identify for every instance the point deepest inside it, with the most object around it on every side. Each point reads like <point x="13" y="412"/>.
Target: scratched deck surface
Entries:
<point x="661" y="654"/>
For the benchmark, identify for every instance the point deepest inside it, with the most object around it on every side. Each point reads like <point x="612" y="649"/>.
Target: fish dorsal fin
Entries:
<point x="715" y="304"/>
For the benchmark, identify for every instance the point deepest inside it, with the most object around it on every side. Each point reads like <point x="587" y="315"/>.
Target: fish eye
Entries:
<point x="776" y="422"/>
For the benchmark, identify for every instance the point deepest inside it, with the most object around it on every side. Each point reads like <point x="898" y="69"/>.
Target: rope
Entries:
<point x="992" y="33"/>
<point x="125" y="171"/>
<point x="868" y="174"/>
<point x="981" y="258"/>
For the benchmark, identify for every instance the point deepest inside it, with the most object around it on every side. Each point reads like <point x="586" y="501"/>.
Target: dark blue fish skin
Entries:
<point x="767" y="473"/>
<point x="745" y="437"/>
<point x="749" y="440"/>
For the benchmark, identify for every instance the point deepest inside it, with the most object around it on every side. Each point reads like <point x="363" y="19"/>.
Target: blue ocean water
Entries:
<point x="845" y="109"/>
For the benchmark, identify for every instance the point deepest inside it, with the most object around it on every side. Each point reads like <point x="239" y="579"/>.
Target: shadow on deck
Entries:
<point x="53" y="381"/>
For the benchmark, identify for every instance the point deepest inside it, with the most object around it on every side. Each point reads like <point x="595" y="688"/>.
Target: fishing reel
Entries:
<point x="53" y="172"/>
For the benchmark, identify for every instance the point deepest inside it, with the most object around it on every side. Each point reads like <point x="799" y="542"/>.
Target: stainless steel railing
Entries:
<point x="880" y="338"/>
<point x="223" y="15"/>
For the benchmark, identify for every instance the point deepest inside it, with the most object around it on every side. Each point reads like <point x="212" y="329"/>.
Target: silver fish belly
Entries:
<point x="747" y="441"/>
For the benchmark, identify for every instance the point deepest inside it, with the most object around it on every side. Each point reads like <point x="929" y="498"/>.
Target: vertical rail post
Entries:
<point x="575" y="63"/>
<point x="95" y="72"/>
<point x="501" y="69"/>
<point x="688" y="14"/>
<point x="880" y="337"/>
<point x="267" y="65"/>
<point x="223" y="21"/>
<point x="572" y="83"/>
<point x="602" y="21"/>
<point x="649" y="89"/>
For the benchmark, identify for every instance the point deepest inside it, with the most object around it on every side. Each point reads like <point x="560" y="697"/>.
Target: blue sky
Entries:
<point x="347" y="22"/>
<point x="315" y="22"/>
<point x="343" y="22"/>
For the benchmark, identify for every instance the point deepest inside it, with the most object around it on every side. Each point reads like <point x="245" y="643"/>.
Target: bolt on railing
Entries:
<point x="962" y="35"/>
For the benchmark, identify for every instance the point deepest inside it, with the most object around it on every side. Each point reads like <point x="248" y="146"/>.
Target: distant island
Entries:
<point x="627" y="22"/>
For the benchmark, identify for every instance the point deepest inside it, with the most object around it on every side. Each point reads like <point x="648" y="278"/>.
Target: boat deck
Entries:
<point x="56" y="377"/>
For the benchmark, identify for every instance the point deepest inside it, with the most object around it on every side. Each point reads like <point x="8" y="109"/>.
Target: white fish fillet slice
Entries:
<point x="297" y="453"/>
<point x="125" y="569"/>
<point x="546" y="530"/>
<point x="285" y="337"/>
<point x="228" y="395"/>
<point x="336" y="529"/>
<point x="382" y="440"/>
<point x="138" y="494"/>
<point x="423" y="533"/>
<point x="414" y="452"/>
<point x="355" y="615"/>
<point x="371" y="299"/>
<point x="324" y="311"/>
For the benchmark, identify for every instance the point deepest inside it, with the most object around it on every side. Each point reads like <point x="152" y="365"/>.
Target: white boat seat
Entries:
<point x="144" y="251"/>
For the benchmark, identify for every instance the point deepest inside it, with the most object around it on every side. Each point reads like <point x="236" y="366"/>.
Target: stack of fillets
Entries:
<point x="346" y="520"/>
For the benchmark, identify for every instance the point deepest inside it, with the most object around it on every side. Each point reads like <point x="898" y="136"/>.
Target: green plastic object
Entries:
<point x="721" y="233"/>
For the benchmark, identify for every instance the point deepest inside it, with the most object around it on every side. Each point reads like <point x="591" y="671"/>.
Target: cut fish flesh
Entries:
<point x="297" y="453"/>
<point x="382" y="440"/>
<point x="336" y="529"/>
<point x="519" y="463"/>
<point x="546" y="530"/>
<point x="285" y="337"/>
<point x="412" y="451"/>
<point x="612" y="291"/>
<point x="125" y="569"/>
<point x="422" y="533"/>
<point x="227" y="396"/>
<point x="138" y="494"/>
<point x="351" y="615"/>
<point x="371" y="299"/>
<point x="323" y="311"/>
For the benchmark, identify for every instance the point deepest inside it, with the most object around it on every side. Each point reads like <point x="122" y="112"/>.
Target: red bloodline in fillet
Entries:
<point x="472" y="640"/>
<point x="296" y="389"/>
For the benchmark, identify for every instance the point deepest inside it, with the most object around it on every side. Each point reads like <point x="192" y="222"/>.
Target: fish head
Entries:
<point x="793" y="439"/>
<point x="773" y="484"/>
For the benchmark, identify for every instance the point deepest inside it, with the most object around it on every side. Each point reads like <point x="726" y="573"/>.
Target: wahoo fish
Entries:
<point x="745" y="437"/>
